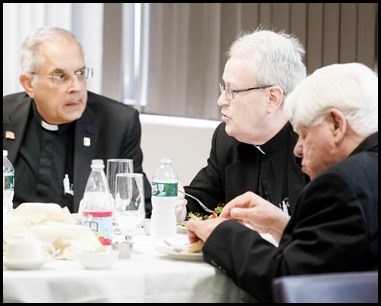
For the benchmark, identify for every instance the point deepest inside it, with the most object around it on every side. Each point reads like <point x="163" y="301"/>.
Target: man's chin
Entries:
<point x="305" y="171"/>
<point x="72" y="116"/>
<point x="229" y="129"/>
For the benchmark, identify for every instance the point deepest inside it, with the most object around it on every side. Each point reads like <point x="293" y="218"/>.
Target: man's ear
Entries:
<point x="26" y="82"/>
<point x="275" y="98"/>
<point x="339" y="124"/>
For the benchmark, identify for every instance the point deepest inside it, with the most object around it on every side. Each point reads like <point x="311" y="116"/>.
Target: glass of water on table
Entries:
<point x="129" y="203"/>
<point x="115" y="166"/>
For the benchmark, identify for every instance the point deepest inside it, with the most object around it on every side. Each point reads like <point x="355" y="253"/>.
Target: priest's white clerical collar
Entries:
<point x="48" y="126"/>
<point x="44" y="124"/>
<point x="260" y="150"/>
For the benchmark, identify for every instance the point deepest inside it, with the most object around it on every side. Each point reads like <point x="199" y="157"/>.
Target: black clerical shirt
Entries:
<point x="45" y="157"/>
<point x="270" y="170"/>
<point x="273" y="167"/>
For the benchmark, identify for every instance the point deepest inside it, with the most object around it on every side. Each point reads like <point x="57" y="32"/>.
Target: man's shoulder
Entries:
<point x="103" y="103"/>
<point x="16" y="101"/>
<point x="356" y="166"/>
<point x="92" y="97"/>
<point x="361" y="159"/>
<point x="18" y="96"/>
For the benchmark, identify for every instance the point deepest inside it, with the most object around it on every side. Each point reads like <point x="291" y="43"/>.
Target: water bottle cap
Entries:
<point x="5" y="153"/>
<point x="166" y="160"/>
<point x="97" y="163"/>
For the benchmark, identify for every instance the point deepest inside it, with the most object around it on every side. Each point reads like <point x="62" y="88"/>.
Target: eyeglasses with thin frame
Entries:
<point x="65" y="78"/>
<point x="230" y="93"/>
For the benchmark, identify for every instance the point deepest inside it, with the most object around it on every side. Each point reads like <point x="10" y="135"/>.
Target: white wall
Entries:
<point x="187" y="141"/>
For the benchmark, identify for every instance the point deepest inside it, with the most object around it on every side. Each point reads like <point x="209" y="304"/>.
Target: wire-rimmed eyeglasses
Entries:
<point x="230" y="92"/>
<point x="65" y="78"/>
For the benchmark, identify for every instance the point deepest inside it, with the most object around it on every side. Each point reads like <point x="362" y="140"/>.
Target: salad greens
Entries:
<point x="200" y="216"/>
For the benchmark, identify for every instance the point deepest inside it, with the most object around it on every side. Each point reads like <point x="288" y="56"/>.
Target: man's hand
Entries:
<point x="259" y="214"/>
<point x="201" y="229"/>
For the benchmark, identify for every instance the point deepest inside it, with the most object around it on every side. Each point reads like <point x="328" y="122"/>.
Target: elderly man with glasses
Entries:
<point x="252" y="149"/>
<point x="56" y="127"/>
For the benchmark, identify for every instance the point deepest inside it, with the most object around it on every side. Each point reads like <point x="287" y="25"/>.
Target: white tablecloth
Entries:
<point x="148" y="276"/>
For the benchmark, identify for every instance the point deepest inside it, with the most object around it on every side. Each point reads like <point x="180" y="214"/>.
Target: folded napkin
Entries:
<point x="52" y="224"/>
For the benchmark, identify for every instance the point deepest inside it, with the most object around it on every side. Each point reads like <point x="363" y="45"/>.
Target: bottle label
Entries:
<point x="100" y="222"/>
<point x="9" y="182"/>
<point x="164" y="189"/>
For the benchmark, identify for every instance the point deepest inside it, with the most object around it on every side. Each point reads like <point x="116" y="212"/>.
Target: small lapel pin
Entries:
<point x="10" y="135"/>
<point x="86" y="141"/>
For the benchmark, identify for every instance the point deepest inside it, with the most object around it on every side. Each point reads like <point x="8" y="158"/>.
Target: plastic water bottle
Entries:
<point x="164" y="197"/>
<point x="96" y="207"/>
<point x="8" y="184"/>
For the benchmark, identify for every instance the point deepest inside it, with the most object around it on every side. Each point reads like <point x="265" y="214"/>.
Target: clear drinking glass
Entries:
<point x="129" y="203"/>
<point x="115" y="166"/>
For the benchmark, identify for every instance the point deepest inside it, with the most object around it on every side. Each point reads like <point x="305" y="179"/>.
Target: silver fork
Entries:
<point x="203" y="206"/>
<point x="175" y="248"/>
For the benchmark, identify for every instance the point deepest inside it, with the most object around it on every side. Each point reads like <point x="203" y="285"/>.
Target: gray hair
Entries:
<point x="31" y="59"/>
<point x="277" y="58"/>
<point x="351" y="88"/>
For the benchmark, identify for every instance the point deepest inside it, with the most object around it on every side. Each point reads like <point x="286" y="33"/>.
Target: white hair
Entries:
<point x="277" y="57"/>
<point x="352" y="88"/>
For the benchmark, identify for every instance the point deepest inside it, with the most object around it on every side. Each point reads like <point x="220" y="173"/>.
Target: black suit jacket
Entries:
<point x="334" y="228"/>
<point x="113" y="128"/>
<point x="233" y="168"/>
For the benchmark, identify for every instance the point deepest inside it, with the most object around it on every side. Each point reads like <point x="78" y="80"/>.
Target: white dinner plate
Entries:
<point x="183" y="255"/>
<point x="14" y="265"/>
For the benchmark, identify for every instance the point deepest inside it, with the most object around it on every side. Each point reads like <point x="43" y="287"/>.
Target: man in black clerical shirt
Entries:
<point x="56" y="127"/>
<point x="252" y="149"/>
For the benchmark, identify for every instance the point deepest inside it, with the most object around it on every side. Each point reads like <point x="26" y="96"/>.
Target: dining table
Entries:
<point x="149" y="275"/>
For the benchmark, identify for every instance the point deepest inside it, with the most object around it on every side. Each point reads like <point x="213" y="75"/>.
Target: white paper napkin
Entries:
<point x="51" y="224"/>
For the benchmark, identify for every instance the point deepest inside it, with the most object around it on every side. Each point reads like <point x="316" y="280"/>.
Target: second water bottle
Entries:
<point x="164" y="197"/>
